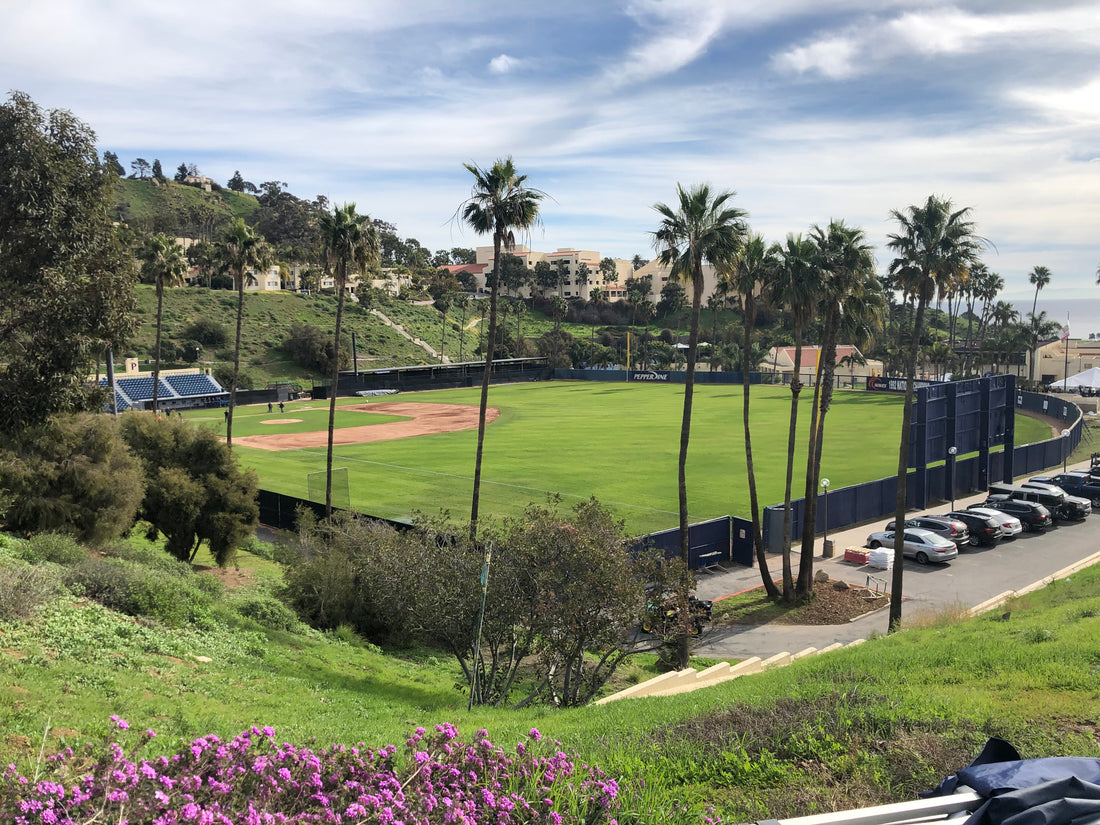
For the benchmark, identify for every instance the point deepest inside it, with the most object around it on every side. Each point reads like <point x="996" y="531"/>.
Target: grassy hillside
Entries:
<point x="871" y="724"/>
<point x="152" y="208"/>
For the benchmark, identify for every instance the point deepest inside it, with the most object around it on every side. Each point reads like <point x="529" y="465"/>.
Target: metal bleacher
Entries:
<point x="131" y="393"/>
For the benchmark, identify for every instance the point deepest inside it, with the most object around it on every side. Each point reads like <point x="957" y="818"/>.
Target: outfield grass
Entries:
<point x="618" y="442"/>
<point x="254" y="419"/>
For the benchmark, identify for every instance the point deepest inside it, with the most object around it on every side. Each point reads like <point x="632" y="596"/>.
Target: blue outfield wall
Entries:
<point x="655" y="376"/>
<point x="876" y="499"/>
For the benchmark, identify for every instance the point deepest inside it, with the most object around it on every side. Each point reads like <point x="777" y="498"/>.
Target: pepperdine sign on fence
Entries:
<point x="650" y="375"/>
<point x="875" y="382"/>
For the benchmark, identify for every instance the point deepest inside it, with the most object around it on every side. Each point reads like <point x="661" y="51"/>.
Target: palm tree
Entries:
<point x="936" y="243"/>
<point x="350" y="239"/>
<point x="240" y="251"/>
<point x="462" y="302"/>
<point x="847" y="269"/>
<point x="1039" y="277"/>
<point x="443" y="304"/>
<point x="751" y="273"/>
<point x="519" y="310"/>
<point x="701" y="227"/>
<point x="164" y="263"/>
<point x="795" y="286"/>
<point x="499" y="204"/>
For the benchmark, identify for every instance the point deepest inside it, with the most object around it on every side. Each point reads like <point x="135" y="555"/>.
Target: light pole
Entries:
<point x="1065" y="449"/>
<point x="952" y="451"/>
<point x="825" y="486"/>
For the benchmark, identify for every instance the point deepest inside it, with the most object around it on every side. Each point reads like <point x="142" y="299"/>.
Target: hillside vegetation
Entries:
<point x="175" y="208"/>
<point x="876" y="723"/>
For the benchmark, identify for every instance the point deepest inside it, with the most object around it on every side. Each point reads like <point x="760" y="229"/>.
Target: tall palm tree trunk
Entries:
<point x="796" y="388"/>
<point x="484" y="407"/>
<point x="682" y="652"/>
<point x="156" y="354"/>
<point x="236" y="361"/>
<point x="754" y="501"/>
<point x="900" y="504"/>
<point x="342" y="271"/>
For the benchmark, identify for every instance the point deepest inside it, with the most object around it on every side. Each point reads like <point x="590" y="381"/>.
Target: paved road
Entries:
<point x="978" y="574"/>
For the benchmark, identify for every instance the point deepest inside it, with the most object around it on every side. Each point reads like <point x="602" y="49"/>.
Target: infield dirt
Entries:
<point x="423" y="419"/>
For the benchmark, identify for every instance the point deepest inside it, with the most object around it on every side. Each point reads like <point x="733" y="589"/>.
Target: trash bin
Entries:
<point x="828" y="550"/>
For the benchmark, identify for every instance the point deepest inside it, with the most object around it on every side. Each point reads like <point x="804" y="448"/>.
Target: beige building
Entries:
<point x="576" y="284"/>
<point x="1051" y="358"/>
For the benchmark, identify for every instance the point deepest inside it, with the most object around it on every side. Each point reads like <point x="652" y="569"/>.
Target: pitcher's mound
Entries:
<point x="281" y="421"/>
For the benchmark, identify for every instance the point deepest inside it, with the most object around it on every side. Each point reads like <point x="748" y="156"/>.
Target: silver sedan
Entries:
<point x="920" y="544"/>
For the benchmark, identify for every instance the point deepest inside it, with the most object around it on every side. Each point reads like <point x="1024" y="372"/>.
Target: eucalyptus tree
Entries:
<point x="750" y="275"/>
<point x="795" y="287"/>
<point x="351" y="241"/>
<point x="163" y="262"/>
<point x="240" y="251"/>
<point x="701" y="227"/>
<point x="1039" y="277"/>
<point x="934" y="245"/>
<point x="609" y="271"/>
<point x="846" y="267"/>
<point x="499" y="203"/>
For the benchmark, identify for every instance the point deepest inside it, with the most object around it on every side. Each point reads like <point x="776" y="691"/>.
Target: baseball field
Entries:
<point x="618" y="442"/>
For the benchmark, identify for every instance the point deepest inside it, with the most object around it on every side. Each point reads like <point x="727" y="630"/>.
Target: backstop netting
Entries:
<point x="341" y="489"/>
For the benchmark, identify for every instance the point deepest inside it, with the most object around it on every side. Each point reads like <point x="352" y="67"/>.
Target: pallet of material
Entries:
<point x="857" y="555"/>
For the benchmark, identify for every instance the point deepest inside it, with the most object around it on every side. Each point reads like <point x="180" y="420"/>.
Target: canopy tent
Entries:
<point x="1089" y="378"/>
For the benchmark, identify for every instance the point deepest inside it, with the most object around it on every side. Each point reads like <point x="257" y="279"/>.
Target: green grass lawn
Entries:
<point x="618" y="442"/>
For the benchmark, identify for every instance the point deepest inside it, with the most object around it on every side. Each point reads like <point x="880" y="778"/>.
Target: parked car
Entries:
<point x="1053" y="500"/>
<point x="951" y="529"/>
<point x="984" y="529"/>
<point x="1032" y="516"/>
<point x="1073" y="485"/>
<point x="1082" y="501"/>
<point x="920" y="544"/>
<point x="1079" y="483"/>
<point x="1010" y="525"/>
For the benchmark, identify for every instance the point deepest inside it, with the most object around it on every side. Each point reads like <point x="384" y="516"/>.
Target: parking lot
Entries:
<point x="978" y="574"/>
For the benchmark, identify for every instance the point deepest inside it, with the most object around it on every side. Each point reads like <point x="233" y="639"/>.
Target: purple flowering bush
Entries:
<point x="255" y="780"/>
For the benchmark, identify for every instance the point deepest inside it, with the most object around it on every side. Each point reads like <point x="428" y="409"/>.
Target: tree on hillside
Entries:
<point x="158" y="172"/>
<point x="794" y="287"/>
<point x="71" y="474"/>
<point x="443" y="303"/>
<point x="700" y="227"/>
<point x="545" y="277"/>
<point x="751" y="274"/>
<point x="236" y="183"/>
<point x="162" y="263"/>
<point x="350" y="240"/>
<point x="935" y="242"/>
<point x="195" y="490"/>
<point x="66" y="278"/>
<point x="240" y="251"/>
<point x="499" y="204"/>
<point x="139" y="168"/>
<point x="609" y="271"/>
<point x="111" y="164"/>
<point x="181" y="173"/>
<point x="462" y="303"/>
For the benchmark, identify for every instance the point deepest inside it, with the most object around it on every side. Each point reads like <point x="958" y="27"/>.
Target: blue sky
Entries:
<point x="807" y="114"/>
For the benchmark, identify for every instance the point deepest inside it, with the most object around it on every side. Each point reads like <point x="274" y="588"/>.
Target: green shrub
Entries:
<point x="269" y="612"/>
<point x="210" y="585"/>
<point x="138" y="590"/>
<point x="55" y="547"/>
<point x="73" y="474"/>
<point x="25" y="588"/>
<point x="149" y="556"/>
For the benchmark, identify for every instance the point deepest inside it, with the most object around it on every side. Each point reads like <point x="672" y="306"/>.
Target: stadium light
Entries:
<point x="1065" y="449"/>
<point x="952" y="451"/>
<point x="825" y="485"/>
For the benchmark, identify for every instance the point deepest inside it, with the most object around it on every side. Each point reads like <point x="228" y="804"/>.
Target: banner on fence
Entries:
<point x="877" y="382"/>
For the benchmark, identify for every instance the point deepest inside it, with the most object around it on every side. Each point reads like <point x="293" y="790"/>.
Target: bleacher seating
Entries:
<point x="197" y="387"/>
<point x="193" y="384"/>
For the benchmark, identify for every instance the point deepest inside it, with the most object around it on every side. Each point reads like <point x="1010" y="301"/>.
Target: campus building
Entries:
<point x="852" y="369"/>
<point x="576" y="283"/>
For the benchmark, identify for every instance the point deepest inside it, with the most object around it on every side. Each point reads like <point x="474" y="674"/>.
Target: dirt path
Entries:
<point x="425" y="419"/>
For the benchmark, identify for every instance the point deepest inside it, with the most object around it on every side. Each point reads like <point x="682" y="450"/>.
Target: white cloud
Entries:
<point x="503" y="64"/>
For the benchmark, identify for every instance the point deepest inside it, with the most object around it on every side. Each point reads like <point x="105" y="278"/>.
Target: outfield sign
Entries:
<point x="875" y="382"/>
<point x="651" y="375"/>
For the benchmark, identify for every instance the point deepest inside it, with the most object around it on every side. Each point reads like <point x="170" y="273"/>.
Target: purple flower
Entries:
<point x="122" y="723"/>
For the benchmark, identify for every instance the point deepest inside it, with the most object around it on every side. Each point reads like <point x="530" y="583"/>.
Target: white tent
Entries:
<point x="1088" y="378"/>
